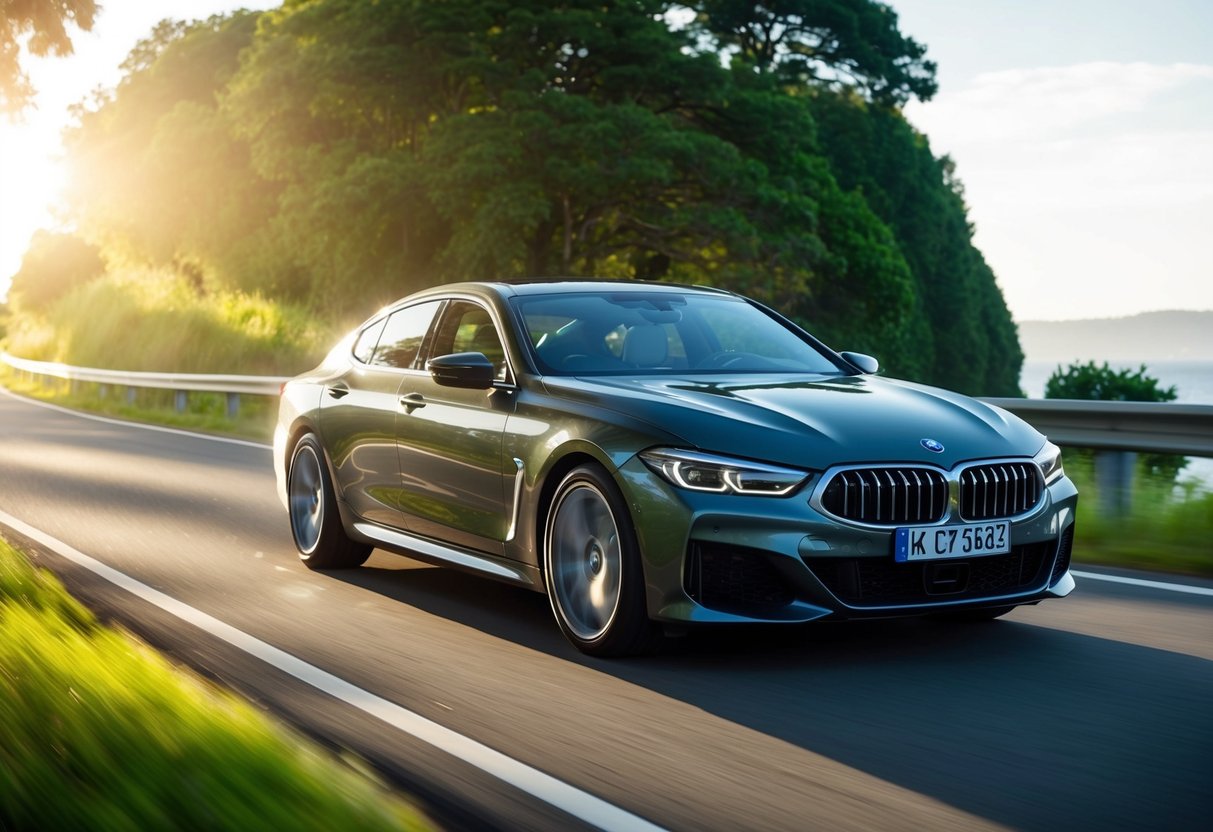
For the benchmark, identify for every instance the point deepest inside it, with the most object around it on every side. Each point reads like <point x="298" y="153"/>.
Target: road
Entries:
<point x="1092" y="712"/>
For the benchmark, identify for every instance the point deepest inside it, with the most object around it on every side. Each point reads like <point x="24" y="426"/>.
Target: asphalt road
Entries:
<point x="1092" y="712"/>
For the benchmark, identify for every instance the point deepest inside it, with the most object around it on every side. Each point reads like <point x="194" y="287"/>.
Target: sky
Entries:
<point x="1082" y="131"/>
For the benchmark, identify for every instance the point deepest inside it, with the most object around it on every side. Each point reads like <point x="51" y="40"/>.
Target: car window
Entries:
<point x="364" y="347"/>
<point x="650" y="333"/>
<point x="467" y="327"/>
<point x="403" y="335"/>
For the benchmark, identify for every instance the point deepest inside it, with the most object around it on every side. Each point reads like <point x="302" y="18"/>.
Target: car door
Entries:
<point x="359" y="409"/>
<point x="454" y="484"/>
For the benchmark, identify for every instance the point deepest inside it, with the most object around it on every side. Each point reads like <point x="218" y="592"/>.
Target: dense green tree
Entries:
<point x="156" y="172"/>
<point x="834" y="43"/>
<point x="42" y="27"/>
<point x="1090" y="381"/>
<point x="344" y="152"/>
<point x="874" y="150"/>
<point x="1101" y="382"/>
<point x="53" y="265"/>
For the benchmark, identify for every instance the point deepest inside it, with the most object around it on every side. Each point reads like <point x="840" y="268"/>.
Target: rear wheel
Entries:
<point x="592" y="567"/>
<point x="315" y="522"/>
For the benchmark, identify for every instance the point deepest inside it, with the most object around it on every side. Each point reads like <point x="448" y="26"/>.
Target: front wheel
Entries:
<point x="592" y="567"/>
<point x="315" y="523"/>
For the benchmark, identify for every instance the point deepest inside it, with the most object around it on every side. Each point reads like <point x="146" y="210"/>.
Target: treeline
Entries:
<point x="340" y="153"/>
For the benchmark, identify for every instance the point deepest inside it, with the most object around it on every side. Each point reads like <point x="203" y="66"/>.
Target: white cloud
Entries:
<point x="1091" y="185"/>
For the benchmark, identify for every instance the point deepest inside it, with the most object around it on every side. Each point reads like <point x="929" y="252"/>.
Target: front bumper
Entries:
<point x="727" y="558"/>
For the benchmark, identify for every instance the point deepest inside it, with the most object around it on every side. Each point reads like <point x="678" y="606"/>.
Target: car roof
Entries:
<point x="557" y="285"/>
<point x="537" y="286"/>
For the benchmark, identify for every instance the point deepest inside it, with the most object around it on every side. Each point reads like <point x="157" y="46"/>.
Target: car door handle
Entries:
<point x="338" y="391"/>
<point x="412" y="401"/>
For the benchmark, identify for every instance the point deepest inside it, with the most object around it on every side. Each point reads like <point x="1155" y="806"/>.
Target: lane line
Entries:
<point x="569" y="799"/>
<point x="128" y="424"/>
<point x="1117" y="579"/>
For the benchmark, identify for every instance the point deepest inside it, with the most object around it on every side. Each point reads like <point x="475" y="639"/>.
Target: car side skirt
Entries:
<point x="444" y="554"/>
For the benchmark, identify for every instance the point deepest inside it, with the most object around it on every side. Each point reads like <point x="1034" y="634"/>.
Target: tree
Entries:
<point x="53" y="265"/>
<point x="41" y="26"/>
<point x="345" y="152"/>
<point x="1102" y="383"/>
<point x="840" y="43"/>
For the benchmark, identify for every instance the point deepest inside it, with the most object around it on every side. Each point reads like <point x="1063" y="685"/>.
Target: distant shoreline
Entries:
<point x="1150" y="337"/>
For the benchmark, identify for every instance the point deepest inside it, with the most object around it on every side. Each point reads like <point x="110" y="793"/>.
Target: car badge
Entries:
<point x="932" y="446"/>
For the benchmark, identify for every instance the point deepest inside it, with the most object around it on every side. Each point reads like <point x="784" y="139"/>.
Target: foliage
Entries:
<point x="110" y="322"/>
<point x="41" y="27"/>
<point x="838" y="43"/>
<point x="336" y="154"/>
<point x="1102" y="383"/>
<point x="99" y="732"/>
<point x="52" y="265"/>
<point x="1167" y="527"/>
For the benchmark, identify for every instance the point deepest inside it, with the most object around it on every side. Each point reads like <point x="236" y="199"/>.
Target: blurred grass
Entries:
<point x="1168" y="527"/>
<point x="97" y="731"/>
<point x="156" y="321"/>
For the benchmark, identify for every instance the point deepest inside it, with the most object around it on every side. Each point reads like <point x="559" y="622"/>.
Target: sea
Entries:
<point x="1193" y="382"/>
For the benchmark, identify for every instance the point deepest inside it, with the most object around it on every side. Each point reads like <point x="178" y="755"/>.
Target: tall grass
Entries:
<point x="99" y="732"/>
<point x="1168" y="526"/>
<point x="157" y="321"/>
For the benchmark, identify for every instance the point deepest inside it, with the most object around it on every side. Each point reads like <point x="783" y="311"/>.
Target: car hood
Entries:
<point x="813" y="423"/>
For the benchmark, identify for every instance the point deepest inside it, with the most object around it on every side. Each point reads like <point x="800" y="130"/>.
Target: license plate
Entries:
<point x="938" y="542"/>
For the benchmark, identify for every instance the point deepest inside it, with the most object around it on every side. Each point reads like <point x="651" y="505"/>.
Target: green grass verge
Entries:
<point x="98" y="731"/>
<point x="206" y="412"/>
<point x="1168" y="527"/>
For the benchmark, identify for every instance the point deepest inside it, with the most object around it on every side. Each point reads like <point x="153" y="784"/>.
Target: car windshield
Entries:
<point x="647" y="333"/>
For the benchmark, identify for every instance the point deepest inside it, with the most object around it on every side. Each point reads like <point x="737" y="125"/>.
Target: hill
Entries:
<point x="1146" y="337"/>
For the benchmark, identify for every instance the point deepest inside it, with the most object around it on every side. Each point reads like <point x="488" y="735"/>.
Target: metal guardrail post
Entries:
<point x="1114" y="472"/>
<point x="233" y="405"/>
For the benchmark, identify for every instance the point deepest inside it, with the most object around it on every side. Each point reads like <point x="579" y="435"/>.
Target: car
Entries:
<point x="655" y="456"/>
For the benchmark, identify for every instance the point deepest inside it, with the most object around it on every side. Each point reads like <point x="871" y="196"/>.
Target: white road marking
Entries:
<point x="127" y="424"/>
<point x="569" y="799"/>
<point x="1117" y="579"/>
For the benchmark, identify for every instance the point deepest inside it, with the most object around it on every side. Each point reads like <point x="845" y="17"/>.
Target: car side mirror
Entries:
<point x="866" y="364"/>
<point x="469" y="370"/>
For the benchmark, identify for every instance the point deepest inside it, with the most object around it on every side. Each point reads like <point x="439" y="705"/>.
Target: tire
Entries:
<point x="592" y="568"/>
<point x="983" y="614"/>
<point x="315" y="521"/>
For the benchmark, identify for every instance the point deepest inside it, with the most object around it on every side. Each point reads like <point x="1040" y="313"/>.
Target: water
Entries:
<point x="1193" y="381"/>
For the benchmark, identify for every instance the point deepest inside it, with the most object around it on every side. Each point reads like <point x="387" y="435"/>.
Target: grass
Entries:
<point x="1168" y="526"/>
<point x="149" y="320"/>
<point x="97" y="731"/>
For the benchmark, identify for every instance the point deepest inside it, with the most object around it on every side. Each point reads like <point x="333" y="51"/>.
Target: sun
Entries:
<point x="32" y="176"/>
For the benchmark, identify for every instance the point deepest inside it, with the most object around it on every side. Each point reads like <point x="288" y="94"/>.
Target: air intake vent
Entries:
<point x="887" y="496"/>
<point x="1005" y="489"/>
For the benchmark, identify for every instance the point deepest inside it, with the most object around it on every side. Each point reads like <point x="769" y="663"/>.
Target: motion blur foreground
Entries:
<point x="651" y="454"/>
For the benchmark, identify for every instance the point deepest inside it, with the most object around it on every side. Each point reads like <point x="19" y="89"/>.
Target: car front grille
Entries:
<point x="871" y="582"/>
<point x="734" y="578"/>
<point x="1063" y="555"/>
<point x="1003" y="489"/>
<point x="894" y="496"/>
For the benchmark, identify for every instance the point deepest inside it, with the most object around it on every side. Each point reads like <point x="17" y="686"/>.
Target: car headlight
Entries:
<point x="1049" y="460"/>
<point x="697" y="471"/>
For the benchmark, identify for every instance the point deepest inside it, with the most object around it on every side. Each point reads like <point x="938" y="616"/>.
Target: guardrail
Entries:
<point x="1167" y="428"/>
<point x="1118" y="426"/>
<point x="232" y="386"/>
